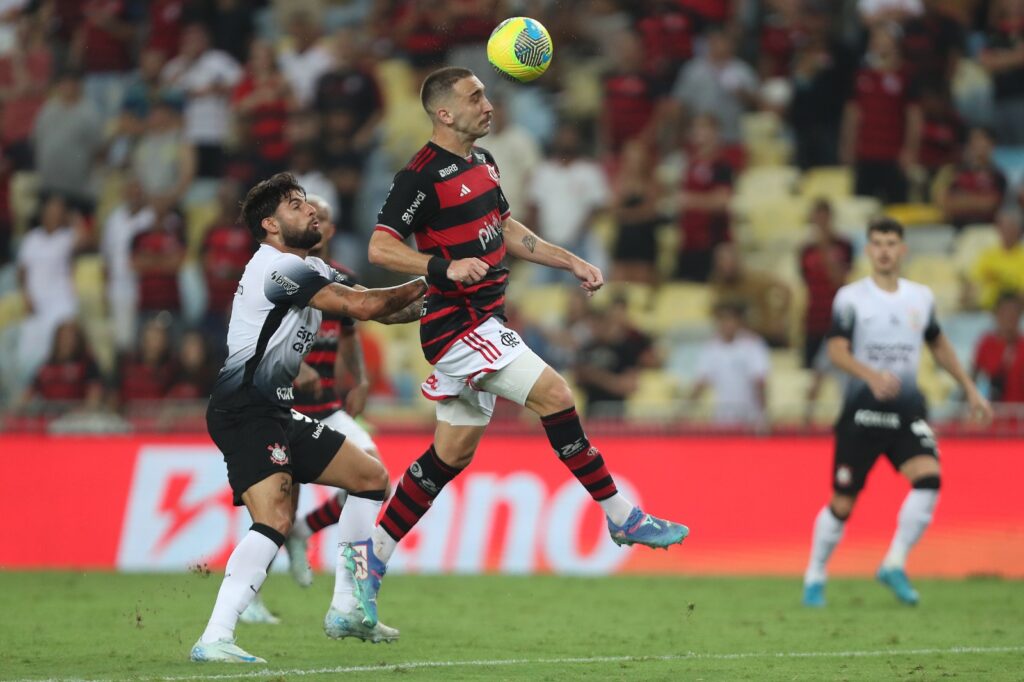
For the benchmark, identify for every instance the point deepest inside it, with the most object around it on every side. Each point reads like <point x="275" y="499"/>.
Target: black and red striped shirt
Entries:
<point x="883" y="98"/>
<point x="455" y="208"/>
<point x="821" y="291"/>
<point x="982" y="181"/>
<point x="321" y="357"/>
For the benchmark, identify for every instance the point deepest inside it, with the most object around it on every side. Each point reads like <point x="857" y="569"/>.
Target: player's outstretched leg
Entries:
<point x="297" y="542"/>
<point x="245" y="572"/>
<point x="914" y="518"/>
<point x="828" y="531"/>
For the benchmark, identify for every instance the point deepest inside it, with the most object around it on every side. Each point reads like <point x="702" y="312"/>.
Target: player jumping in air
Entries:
<point x="879" y="324"/>
<point x="449" y="197"/>
<point x="267" y="446"/>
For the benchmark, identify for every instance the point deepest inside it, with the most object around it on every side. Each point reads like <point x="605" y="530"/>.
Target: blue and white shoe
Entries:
<point x="644" y="529"/>
<point x="298" y="559"/>
<point x="896" y="580"/>
<point x="367" y="572"/>
<point x="222" y="651"/>
<point x="257" y="612"/>
<point x="338" y="625"/>
<point x="814" y="595"/>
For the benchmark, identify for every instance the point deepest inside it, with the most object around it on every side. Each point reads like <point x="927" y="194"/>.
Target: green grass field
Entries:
<point x="140" y="627"/>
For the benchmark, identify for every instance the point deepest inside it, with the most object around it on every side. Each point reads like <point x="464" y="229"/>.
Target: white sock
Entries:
<point x="617" y="508"/>
<point x="828" y="531"/>
<point x="243" y="576"/>
<point x="383" y="544"/>
<point x="301" y="529"/>
<point x="914" y="517"/>
<point x="356" y="523"/>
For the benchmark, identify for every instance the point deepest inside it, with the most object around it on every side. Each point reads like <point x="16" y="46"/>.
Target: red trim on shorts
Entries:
<point x="469" y="381"/>
<point x="436" y="398"/>
<point x="488" y="342"/>
<point x="444" y="349"/>
<point x="473" y="341"/>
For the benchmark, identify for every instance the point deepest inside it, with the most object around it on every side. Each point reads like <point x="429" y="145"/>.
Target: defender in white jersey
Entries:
<point x="267" y="446"/>
<point x="879" y="326"/>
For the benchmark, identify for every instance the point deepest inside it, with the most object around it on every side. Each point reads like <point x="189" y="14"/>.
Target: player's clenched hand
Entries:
<point x="355" y="401"/>
<point x="980" y="410"/>
<point x="467" y="270"/>
<point x="884" y="385"/>
<point x="590" y="277"/>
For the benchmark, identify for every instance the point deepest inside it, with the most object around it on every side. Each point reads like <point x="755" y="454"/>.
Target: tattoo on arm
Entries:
<point x="530" y="242"/>
<point x="409" y="313"/>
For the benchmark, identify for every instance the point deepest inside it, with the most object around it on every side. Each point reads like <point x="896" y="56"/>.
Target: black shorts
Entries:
<point x="256" y="446"/>
<point x="863" y="435"/>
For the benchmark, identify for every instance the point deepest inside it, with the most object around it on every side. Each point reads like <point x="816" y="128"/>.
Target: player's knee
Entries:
<point x="559" y="396"/>
<point x="841" y="506"/>
<point x="457" y="456"/>
<point x="928" y="482"/>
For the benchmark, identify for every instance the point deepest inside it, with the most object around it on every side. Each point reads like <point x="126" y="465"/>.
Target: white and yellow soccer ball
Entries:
<point x="520" y="49"/>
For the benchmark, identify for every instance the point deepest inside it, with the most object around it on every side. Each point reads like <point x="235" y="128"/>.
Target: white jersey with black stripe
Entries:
<point x="271" y="329"/>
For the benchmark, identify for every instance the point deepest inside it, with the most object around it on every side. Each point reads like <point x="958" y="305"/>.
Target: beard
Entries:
<point x="300" y="239"/>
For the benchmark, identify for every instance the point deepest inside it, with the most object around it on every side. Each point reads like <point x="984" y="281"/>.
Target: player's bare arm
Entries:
<point x="409" y="313"/>
<point x="391" y="254"/>
<point x="308" y="380"/>
<point x="523" y="243"/>
<point x="945" y="357"/>
<point x="883" y="385"/>
<point x="349" y="362"/>
<point x="369" y="304"/>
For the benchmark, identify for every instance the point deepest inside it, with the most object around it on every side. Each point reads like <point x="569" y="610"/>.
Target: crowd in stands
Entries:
<point x="718" y="159"/>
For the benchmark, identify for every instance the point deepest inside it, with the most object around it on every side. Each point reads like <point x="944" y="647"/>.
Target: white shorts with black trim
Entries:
<point x="491" y="360"/>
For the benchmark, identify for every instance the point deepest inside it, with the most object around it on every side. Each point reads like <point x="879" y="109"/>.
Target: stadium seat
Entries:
<point x="935" y="271"/>
<point x="24" y="190"/>
<point x="546" y="304"/>
<point x="678" y="305"/>
<point x="655" y="397"/>
<point x="831" y="182"/>
<point x="763" y="138"/>
<point x="764" y="182"/>
<point x="777" y="220"/>
<point x="914" y="214"/>
<point x="972" y="241"/>
<point x="931" y="239"/>
<point x="12" y="308"/>
<point x="787" y="388"/>
<point x="198" y="218"/>
<point x="852" y="214"/>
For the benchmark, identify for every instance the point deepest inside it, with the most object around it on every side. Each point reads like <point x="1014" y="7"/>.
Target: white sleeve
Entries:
<point x="760" y="359"/>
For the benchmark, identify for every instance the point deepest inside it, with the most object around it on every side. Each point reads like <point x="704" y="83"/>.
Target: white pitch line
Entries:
<point x="689" y="656"/>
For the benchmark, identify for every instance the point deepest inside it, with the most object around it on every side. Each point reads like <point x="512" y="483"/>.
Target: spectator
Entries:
<point x="225" y="252"/>
<point x="164" y="160"/>
<point x="165" y="19"/>
<point x="45" y="276"/>
<point x="567" y="192"/>
<point x="943" y="132"/>
<point x="1000" y="268"/>
<point x="141" y="94"/>
<point x="882" y="122"/>
<point x="703" y="202"/>
<point x="129" y="219"/>
<point x="306" y="169"/>
<point x="999" y="354"/>
<point x="933" y="43"/>
<point x="517" y="153"/>
<point x="666" y="32"/>
<point x="148" y="373"/>
<point x="822" y="69"/>
<point x="569" y="333"/>
<point x="262" y="100"/>
<point x="825" y="263"/>
<point x="207" y="76"/>
<point x="635" y="208"/>
<point x="348" y="100"/>
<point x="24" y="77"/>
<point x="607" y="367"/>
<point x="1003" y="57"/>
<point x="972" y="191"/>
<point x="102" y="47"/>
<point x="717" y="83"/>
<point x="6" y="222"/>
<point x="230" y="22"/>
<point x="879" y="12"/>
<point x="158" y="253"/>
<point x="305" y="60"/>
<point x="195" y="369"/>
<point x="69" y="379"/>
<point x="764" y="297"/>
<point x="67" y="136"/>
<point x="735" y="366"/>
<point x="629" y="94"/>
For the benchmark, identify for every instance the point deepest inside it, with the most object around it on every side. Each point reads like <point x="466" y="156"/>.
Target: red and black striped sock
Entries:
<point x="325" y="515"/>
<point x="421" y="483"/>
<point x="565" y="433"/>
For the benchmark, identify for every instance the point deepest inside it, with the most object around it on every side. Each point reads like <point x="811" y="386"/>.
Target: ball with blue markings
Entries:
<point x="520" y="48"/>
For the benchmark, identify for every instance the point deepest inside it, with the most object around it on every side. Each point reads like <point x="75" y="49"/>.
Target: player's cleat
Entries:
<point x="298" y="560"/>
<point x="257" y="612"/>
<point x="222" y="651"/>
<point x="367" y="572"/>
<point x="896" y="580"/>
<point x="644" y="529"/>
<point x="814" y="595"/>
<point x="338" y="625"/>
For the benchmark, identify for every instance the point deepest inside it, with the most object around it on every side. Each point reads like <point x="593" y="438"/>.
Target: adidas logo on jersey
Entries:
<point x="464" y="191"/>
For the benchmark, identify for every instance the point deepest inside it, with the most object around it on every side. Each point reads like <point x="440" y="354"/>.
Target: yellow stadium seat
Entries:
<point x="765" y="182"/>
<point x="973" y="240"/>
<point x="545" y="305"/>
<point x="777" y="219"/>
<point x="12" y="308"/>
<point x="679" y="304"/>
<point x="852" y="214"/>
<point x="915" y="214"/>
<point x="89" y="283"/>
<point x="938" y="273"/>
<point x="831" y="182"/>
<point x="198" y="219"/>
<point x="787" y="391"/>
<point x="655" y="397"/>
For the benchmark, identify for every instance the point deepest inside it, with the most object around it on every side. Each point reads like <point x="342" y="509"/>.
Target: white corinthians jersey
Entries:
<point x="271" y="329"/>
<point x="886" y="331"/>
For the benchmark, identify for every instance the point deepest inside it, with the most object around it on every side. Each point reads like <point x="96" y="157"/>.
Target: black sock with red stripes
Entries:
<point x="325" y="515"/>
<point x="416" y="491"/>
<point x="565" y="433"/>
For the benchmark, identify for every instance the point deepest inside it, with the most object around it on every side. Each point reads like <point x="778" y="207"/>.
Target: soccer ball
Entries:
<point x="520" y="49"/>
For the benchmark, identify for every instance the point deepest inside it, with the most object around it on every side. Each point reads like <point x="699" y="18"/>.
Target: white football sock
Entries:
<point x="356" y="523"/>
<point x="617" y="508"/>
<point x="828" y="531"/>
<point x="243" y="576"/>
<point x="383" y="544"/>
<point x="914" y="517"/>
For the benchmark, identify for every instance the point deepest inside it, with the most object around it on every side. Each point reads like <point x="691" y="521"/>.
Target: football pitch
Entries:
<point x="105" y="626"/>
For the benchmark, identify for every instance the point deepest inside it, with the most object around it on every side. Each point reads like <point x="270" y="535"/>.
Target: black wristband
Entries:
<point x="437" y="267"/>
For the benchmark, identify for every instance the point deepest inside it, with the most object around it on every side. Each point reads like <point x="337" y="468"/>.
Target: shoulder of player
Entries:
<point x="854" y="289"/>
<point x="917" y="289"/>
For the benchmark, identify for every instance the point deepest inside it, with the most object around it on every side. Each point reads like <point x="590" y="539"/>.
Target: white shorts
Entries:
<point x="343" y="423"/>
<point x="491" y="360"/>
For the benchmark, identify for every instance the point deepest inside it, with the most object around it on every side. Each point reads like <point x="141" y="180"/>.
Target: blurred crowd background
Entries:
<point x="719" y="159"/>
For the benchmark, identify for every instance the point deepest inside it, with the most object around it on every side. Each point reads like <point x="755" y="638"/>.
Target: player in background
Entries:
<point x="267" y="446"/>
<point x="449" y="197"/>
<point x="879" y="324"/>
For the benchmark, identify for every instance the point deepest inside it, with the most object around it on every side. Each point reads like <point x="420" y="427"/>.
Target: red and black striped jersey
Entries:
<point x="322" y="354"/>
<point x="454" y="207"/>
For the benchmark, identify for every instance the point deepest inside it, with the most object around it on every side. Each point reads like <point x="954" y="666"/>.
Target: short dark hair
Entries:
<point x="440" y="83"/>
<point x="1008" y="297"/>
<point x="263" y="199"/>
<point x="885" y="226"/>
